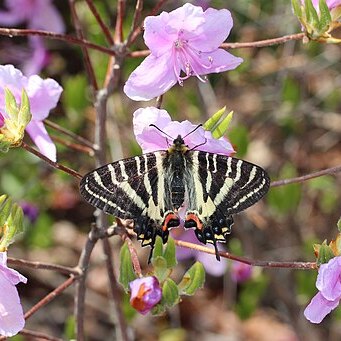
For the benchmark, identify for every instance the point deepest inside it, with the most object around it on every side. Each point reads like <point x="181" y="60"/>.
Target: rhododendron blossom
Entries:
<point x="329" y="285"/>
<point x="11" y="312"/>
<point x="183" y="43"/>
<point x="145" y="293"/>
<point x="43" y="95"/>
<point x="150" y="139"/>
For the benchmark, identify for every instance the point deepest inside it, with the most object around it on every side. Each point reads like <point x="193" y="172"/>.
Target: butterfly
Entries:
<point x="153" y="189"/>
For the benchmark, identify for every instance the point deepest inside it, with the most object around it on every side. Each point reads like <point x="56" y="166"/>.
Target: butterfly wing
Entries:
<point x="220" y="186"/>
<point x="134" y="188"/>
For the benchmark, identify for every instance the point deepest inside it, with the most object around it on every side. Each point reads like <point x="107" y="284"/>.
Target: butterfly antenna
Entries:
<point x="161" y="131"/>
<point x="198" y="145"/>
<point x="191" y="132"/>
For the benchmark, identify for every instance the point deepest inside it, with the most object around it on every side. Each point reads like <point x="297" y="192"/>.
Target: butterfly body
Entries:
<point x="154" y="188"/>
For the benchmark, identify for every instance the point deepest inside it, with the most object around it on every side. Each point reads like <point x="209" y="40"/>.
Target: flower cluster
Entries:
<point x="43" y="96"/>
<point x="183" y="43"/>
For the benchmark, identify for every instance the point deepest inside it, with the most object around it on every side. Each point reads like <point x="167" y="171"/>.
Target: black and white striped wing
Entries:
<point x="232" y="184"/>
<point x="219" y="187"/>
<point x="128" y="188"/>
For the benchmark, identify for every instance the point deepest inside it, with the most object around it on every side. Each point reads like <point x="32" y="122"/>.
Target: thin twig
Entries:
<point x="74" y="146"/>
<point x="48" y="298"/>
<point x="139" y="28"/>
<point x="104" y="27"/>
<point x="261" y="263"/>
<point x="38" y="335"/>
<point x="69" y="133"/>
<point x="115" y="292"/>
<point x="83" y="264"/>
<point x="328" y="171"/>
<point x="118" y="36"/>
<point x="252" y="44"/>
<point x="88" y="65"/>
<point x="52" y="163"/>
<point x="43" y="266"/>
<point x="14" y="32"/>
<point x="136" y="20"/>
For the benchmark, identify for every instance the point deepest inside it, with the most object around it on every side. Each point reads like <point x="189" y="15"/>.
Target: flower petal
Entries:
<point x="217" y="146"/>
<point x="214" y="30"/>
<point x="152" y="78"/>
<point x="13" y="276"/>
<point x="38" y="57"/>
<point x="214" y="62"/>
<point x="43" y="94"/>
<point x="42" y="140"/>
<point x="14" y="80"/>
<point x="210" y="263"/>
<point x="328" y="279"/>
<point x="11" y="313"/>
<point x="319" y="308"/>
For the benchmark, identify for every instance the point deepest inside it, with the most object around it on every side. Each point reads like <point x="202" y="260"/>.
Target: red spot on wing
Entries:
<point x="169" y="217"/>
<point x="194" y="217"/>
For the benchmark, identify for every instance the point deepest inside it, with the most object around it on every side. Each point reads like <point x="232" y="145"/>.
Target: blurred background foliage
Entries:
<point x="287" y="102"/>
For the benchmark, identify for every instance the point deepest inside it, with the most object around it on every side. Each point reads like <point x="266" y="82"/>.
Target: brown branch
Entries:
<point x="118" y="36"/>
<point x="261" y="263"/>
<point x="74" y="146"/>
<point x="135" y="22"/>
<point x="252" y="44"/>
<point x="13" y="32"/>
<point x="104" y="27"/>
<point x="328" y="171"/>
<point x="44" y="266"/>
<point x="139" y="28"/>
<point x="88" y="65"/>
<point x="51" y="296"/>
<point x="69" y="133"/>
<point x="83" y="265"/>
<point x="52" y="163"/>
<point x="38" y="335"/>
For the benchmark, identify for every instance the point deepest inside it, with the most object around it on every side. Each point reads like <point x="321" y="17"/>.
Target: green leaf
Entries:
<point x="325" y="254"/>
<point x="193" y="279"/>
<point x="5" y="209"/>
<point x="69" y="328"/>
<point x="24" y="114"/>
<point x="213" y="121"/>
<point x="127" y="273"/>
<point x="296" y="5"/>
<point x="169" y="253"/>
<point x="239" y="137"/>
<point x="311" y="14"/>
<point x="158" y="248"/>
<point x="11" y="105"/>
<point x="160" y="268"/>
<point x="325" y="16"/>
<point x="220" y="130"/>
<point x="339" y="224"/>
<point x="170" y="293"/>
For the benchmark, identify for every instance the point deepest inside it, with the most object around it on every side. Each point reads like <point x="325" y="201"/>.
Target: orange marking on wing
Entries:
<point x="168" y="218"/>
<point x="193" y="216"/>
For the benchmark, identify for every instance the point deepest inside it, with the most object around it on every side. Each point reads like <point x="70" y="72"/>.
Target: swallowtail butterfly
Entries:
<point x="151" y="188"/>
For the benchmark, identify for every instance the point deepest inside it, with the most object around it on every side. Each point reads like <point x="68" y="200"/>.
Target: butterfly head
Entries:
<point x="178" y="145"/>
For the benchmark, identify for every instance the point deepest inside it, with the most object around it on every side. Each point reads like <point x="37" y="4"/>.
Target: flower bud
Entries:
<point x="145" y="293"/>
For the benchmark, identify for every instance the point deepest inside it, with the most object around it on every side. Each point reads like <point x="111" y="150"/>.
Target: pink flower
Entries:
<point x="150" y="139"/>
<point x="38" y="14"/>
<point x="43" y="96"/>
<point x="240" y="272"/>
<point x="209" y="262"/>
<point x="183" y="43"/>
<point x="330" y="3"/>
<point x="145" y="293"/>
<point x="2" y="120"/>
<point x="11" y="312"/>
<point x="329" y="285"/>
